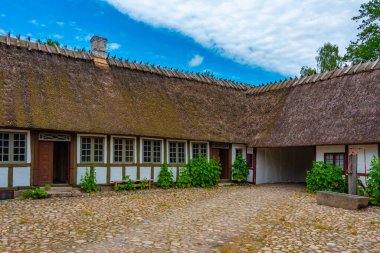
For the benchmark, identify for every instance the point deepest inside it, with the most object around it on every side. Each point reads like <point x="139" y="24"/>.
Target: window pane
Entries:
<point x="147" y="152"/>
<point x="118" y="150"/>
<point x="172" y="152"/>
<point x="203" y="149"/>
<point x="195" y="150"/>
<point x="129" y="149"/>
<point x="329" y="158"/>
<point x="19" y="147"/>
<point x="86" y="149"/>
<point x="4" y="147"/>
<point x="199" y="149"/>
<point x="339" y="160"/>
<point x="156" y="151"/>
<point x="181" y="152"/>
<point x="98" y="149"/>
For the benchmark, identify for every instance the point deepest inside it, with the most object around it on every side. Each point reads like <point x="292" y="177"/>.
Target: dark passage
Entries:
<point x="61" y="163"/>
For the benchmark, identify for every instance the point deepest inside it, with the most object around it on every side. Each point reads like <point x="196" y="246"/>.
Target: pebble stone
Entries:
<point x="268" y="218"/>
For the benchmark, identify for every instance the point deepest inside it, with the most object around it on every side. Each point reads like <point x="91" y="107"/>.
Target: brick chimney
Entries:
<point x="99" y="50"/>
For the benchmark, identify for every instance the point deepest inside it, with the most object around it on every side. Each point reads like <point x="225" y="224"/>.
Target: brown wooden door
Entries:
<point x="224" y="161"/>
<point x="45" y="162"/>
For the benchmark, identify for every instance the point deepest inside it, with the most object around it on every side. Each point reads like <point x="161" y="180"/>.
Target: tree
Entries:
<point x="328" y="57"/>
<point x="51" y="42"/>
<point x="307" y="71"/>
<point x="367" y="45"/>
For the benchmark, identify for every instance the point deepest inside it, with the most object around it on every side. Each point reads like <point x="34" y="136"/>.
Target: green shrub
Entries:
<point x="165" y="178"/>
<point x="88" y="181"/>
<point x="127" y="186"/>
<point x="184" y="178"/>
<point x="204" y="173"/>
<point x="47" y="187"/>
<point x="325" y="177"/>
<point x="144" y="184"/>
<point x="240" y="170"/>
<point x="34" y="193"/>
<point x="373" y="181"/>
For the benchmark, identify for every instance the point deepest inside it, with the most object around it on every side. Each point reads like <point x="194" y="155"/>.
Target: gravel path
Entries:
<point x="270" y="218"/>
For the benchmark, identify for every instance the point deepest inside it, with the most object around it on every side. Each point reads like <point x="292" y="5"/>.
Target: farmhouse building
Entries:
<point x="62" y="111"/>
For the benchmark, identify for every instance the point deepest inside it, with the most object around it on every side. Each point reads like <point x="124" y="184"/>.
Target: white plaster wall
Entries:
<point x="365" y="155"/>
<point x="21" y="176"/>
<point x="321" y="150"/>
<point x="174" y="170"/>
<point x="101" y="175"/>
<point x="156" y="173"/>
<point x="131" y="171"/>
<point x="250" y="176"/>
<point x="280" y="165"/>
<point x="116" y="174"/>
<point x="4" y="177"/>
<point x="145" y="173"/>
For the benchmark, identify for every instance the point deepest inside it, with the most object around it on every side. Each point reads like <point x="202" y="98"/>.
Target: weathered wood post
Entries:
<point x="352" y="172"/>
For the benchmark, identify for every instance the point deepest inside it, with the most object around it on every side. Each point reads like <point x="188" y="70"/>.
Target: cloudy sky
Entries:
<point x="250" y="41"/>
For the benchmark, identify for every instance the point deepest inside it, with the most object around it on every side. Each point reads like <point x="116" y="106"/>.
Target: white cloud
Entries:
<point x="3" y="15"/>
<point x="113" y="46"/>
<point x="196" y="60"/>
<point x="33" y="21"/>
<point x="57" y="36"/>
<point x="60" y="23"/>
<point x="2" y="32"/>
<point x="279" y="35"/>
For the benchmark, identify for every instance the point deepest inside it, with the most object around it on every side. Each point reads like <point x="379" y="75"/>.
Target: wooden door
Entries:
<point x="45" y="162"/>
<point x="224" y="161"/>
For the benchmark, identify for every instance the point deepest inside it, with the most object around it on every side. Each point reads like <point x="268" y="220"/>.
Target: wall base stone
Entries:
<point x="342" y="200"/>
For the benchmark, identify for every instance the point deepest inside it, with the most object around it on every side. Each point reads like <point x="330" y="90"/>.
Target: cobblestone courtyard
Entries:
<point x="270" y="218"/>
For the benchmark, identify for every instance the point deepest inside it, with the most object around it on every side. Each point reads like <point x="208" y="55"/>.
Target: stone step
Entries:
<point x="72" y="193"/>
<point x="60" y="189"/>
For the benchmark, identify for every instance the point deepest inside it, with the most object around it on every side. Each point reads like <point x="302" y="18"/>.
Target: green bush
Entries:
<point x="88" y="181"/>
<point x="165" y="178"/>
<point x="373" y="181"/>
<point x="204" y="173"/>
<point x="127" y="186"/>
<point x="325" y="177"/>
<point x="184" y="178"/>
<point x="34" y="193"/>
<point x="144" y="184"/>
<point x="240" y="170"/>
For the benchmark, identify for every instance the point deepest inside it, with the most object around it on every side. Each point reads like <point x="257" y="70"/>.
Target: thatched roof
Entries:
<point x="54" y="88"/>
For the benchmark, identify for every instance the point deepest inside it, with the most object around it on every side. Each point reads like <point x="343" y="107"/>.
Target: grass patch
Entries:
<point x="85" y="212"/>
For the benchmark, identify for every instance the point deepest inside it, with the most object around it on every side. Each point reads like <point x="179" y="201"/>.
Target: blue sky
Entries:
<point x="195" y="35"/>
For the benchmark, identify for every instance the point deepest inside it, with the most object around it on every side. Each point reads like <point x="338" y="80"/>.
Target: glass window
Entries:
<point x="151" y="151"/>
<point x="177" y="152"/>
<point x="199" y="149"/>
<point x="123" y="150"/>
<point x="92" y="149"/>
<point x="12" y="147"/>
<point x="336" y="159"/>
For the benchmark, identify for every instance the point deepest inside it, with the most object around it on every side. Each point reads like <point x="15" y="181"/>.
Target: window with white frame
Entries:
<point x="151" y="151"/>
<point x="123" y="150"/>
<point x="12" y="147"/>
<point x="336" y="159"/>
<point x="177" y="152"/>
<point x="199" y="149"/>
<point x="92" y="149"/>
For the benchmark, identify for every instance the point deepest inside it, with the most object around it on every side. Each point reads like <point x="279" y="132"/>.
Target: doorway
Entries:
<point x="223" y="155"/>
<point x="53" y="163"/>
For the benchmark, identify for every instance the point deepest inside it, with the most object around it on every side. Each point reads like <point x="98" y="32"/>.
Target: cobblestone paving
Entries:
<point x="270" y="218"/>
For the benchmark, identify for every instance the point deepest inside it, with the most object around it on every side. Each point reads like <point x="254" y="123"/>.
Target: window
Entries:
<point x="12" y="147"/>
<point x="199" y="149"/>
<point x="335" y="158"/>
<point x="123" y="150"/>
<point x="92" y="149"/>
<point x="151" y="151"/>
<point x="176" y="152"/>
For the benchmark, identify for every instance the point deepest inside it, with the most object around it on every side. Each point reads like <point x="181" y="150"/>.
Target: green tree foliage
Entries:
<point x="367" y="44"/>
<point x="51" y="42"/>
<point x="373" y="182"/>
<point x="165" y="178"/>
<point x="328" y="57"/>
<point x="240" y="170"/>
<point x="325" y="177"/>
<point x="128" y="185"/>
<point x="205" y="174"/>
<point x="34" y="193"/>
<point x="307" y="71"/>
<point x="88" y="181"/>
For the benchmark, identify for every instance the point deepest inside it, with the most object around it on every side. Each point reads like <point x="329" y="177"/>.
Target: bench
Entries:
<point x="136" y="182"/>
